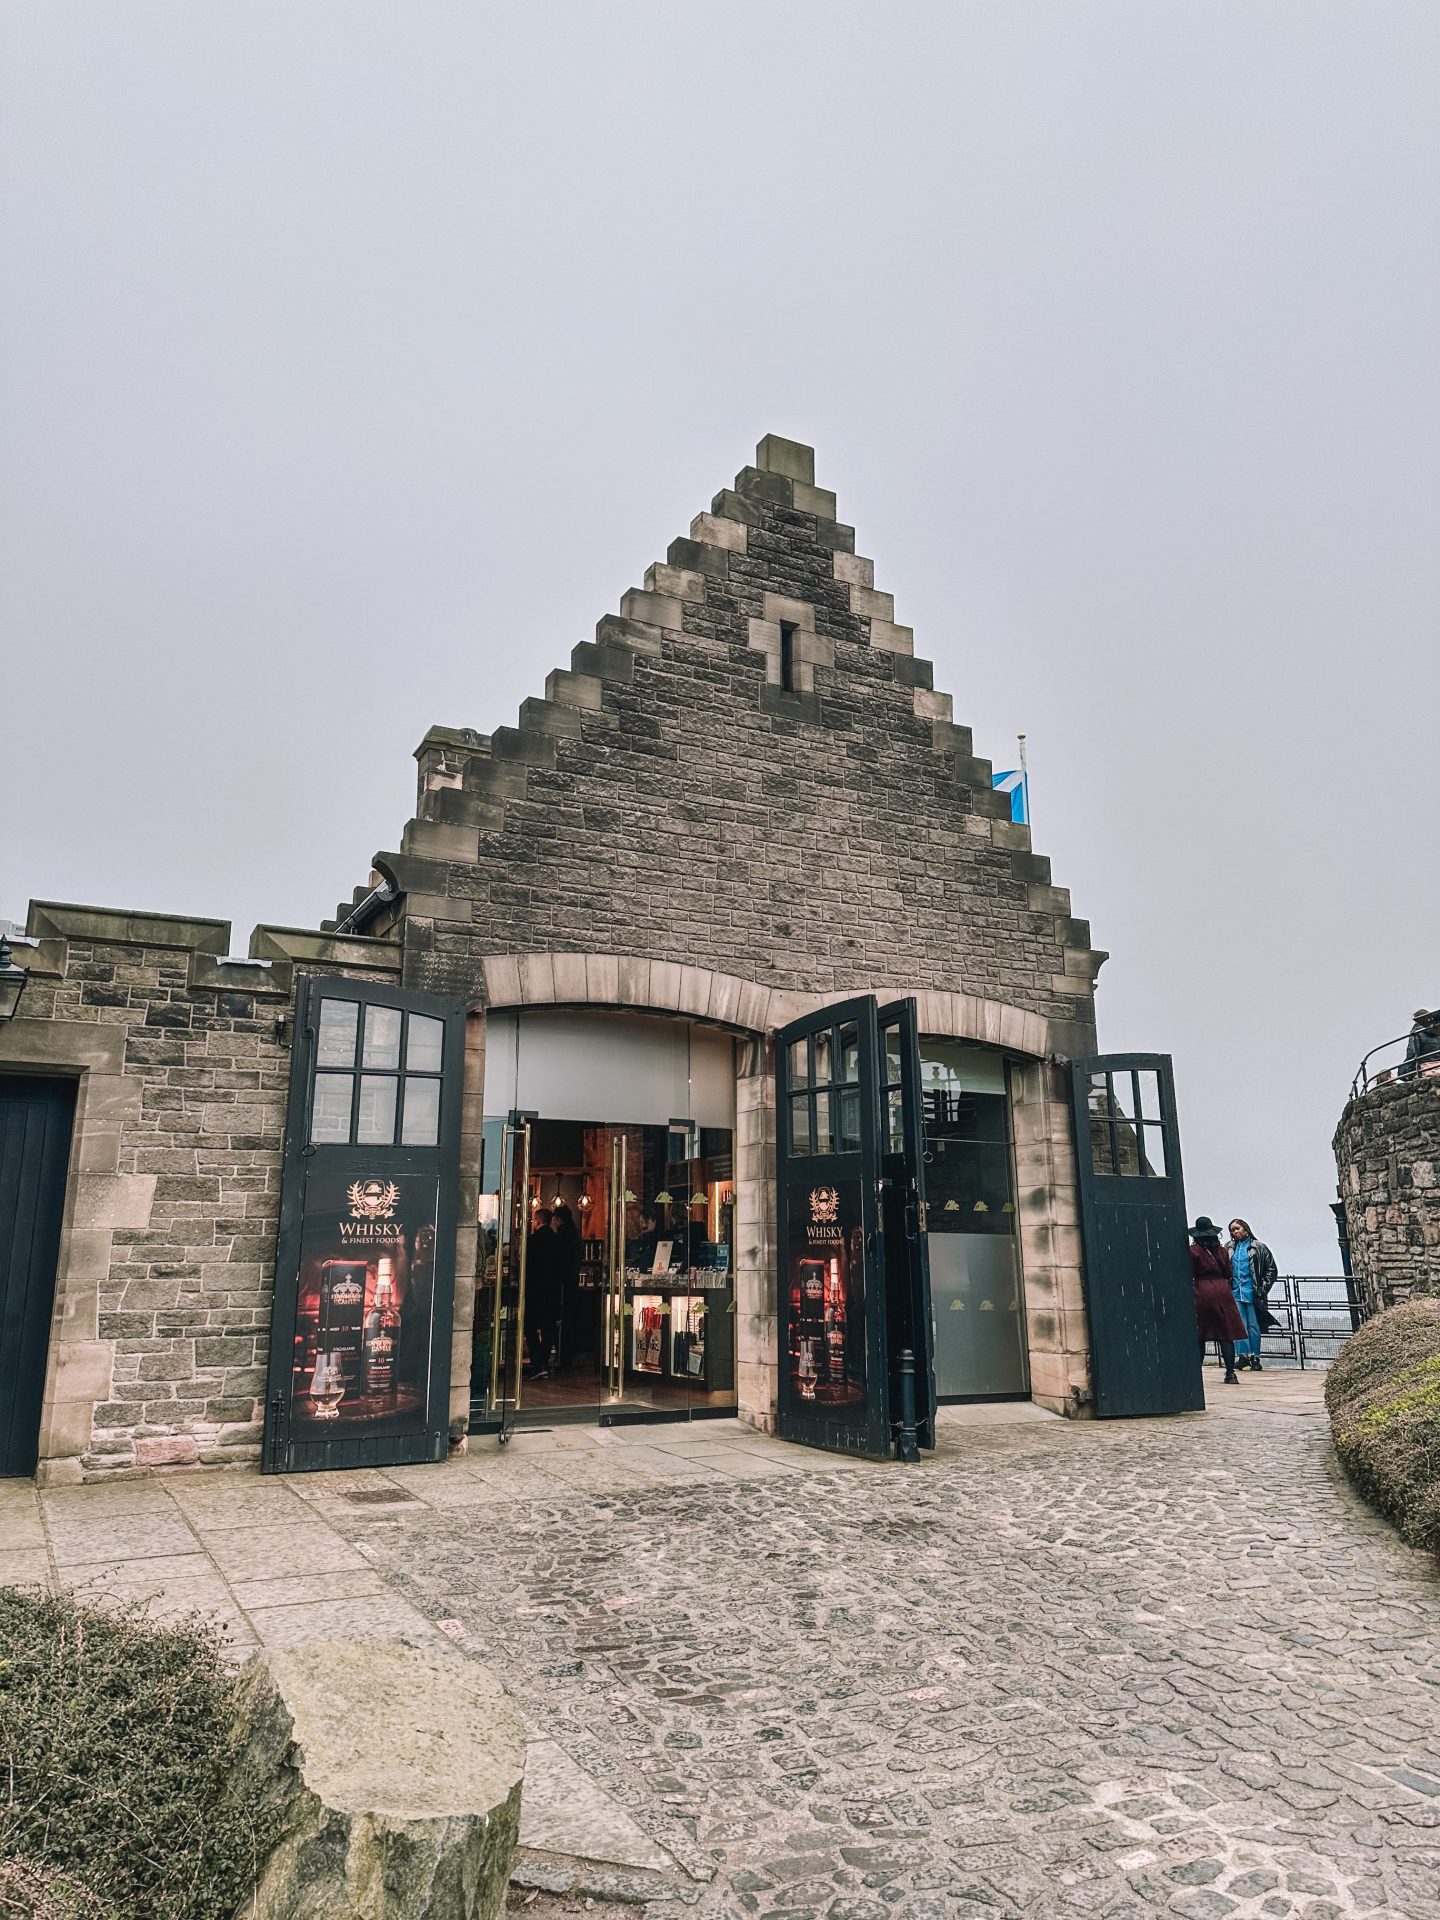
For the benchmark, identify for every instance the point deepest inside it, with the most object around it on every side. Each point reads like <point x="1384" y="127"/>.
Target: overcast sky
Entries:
<point x="356" y="358"/>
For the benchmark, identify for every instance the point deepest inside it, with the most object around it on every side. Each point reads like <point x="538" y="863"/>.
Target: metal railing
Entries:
<point x="1394" y="1067"/>
<point x="1317" y="1313"/>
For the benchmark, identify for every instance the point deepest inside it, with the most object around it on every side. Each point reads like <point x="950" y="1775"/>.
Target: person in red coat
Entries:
<point x="1216" y="1314"/>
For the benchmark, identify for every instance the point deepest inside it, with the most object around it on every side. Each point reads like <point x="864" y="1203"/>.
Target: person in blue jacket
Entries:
<point x="1252" y="1274"/>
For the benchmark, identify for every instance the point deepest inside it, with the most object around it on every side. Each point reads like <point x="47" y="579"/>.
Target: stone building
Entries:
<point x="1387" y="1158"/>
<point x="743" y="801"/>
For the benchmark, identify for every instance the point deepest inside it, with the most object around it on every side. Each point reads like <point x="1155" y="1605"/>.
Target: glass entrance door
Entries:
<point x="608" y="1278"/>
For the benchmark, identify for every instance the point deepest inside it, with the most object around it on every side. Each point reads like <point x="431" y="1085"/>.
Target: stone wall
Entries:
<point x="669" y="798"/>
<point x="1387" y="1155"/>
<point x="160" y="1332"/>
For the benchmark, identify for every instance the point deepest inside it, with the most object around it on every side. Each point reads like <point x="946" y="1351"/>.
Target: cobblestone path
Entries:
<point x="1131" y="1669"/>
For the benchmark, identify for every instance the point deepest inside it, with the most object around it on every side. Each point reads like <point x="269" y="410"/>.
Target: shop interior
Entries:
<point x="611" y="1252"/>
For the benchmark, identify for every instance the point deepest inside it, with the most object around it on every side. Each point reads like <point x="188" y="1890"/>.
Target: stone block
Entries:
<point x="652" y="609"/>
<point x="713" y="531"/>
<point x="568" y="971"/>
<point x="168" y="1450"/>
<point x="889" y="638"/>
<point x="870" y="605"/>
<point x="816" y="500"/>
<point x="854" y="571"/>
<point x="106" y="1202"/>
<point x="82" y="1370"/>
<point x="679" y="583"/>
<point x="392" y="1775"/>
<point x="537" y="978"/>
<point x="789" y="457"/>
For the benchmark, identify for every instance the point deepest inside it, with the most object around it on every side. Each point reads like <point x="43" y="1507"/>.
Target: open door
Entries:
<point x="1144" y="1349"/>
<point x="834" y="1388"/>
<point x="359" y="1370"/>
<point x="907" y="1262"/>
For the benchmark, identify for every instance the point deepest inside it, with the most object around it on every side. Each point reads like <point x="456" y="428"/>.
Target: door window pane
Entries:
<point x="1154" y="1142"/>
<point x="336" y="1044"/>
<point x="1099" y="1100"/>
<point x="895" y="1120"/>
<point x="382" y="1037"/>
<point x="1122" y="1095"/>
<point x="849" y="1141"/>
<point x="824" y="1123"/>
<point x="420" y="1126"/>
<point x="850" y="1052"/>
<point x="892" y="1057"/>
<point x="424" y="1044"/>
<point x="377" y="1110"/>
<point x="1102" y="1154"/>
<point x="330" y="1109"/>
<point x="799" y="1063"/>
<point x="824" y="1053"/>
<point x="800" y="1124"/>
<point x="1149" y="1084"/>
<point x="1127" y="1149"/>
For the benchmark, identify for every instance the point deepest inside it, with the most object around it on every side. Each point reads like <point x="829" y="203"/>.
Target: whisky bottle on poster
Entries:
<point x="835" y="1323"/>
<point x="342" y="1316"/>
<point x="382" y="1332"/>
<point x="813" y="1356"/>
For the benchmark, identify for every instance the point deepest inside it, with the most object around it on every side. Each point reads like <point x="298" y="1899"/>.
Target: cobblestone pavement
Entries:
<point x="1129" y="1669"/>
<point x="1168" y="1667"/>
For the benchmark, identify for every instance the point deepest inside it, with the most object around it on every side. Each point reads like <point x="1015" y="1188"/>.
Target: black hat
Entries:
<point x="1205" y="1228"/>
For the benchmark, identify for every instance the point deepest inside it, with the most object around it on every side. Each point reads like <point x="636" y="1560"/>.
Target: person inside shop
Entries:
<point x="640" y="1252"/>
<point x="569" y="1258"/>
<point x="1216" y="1315"/>
<point x="542" y="1292"/>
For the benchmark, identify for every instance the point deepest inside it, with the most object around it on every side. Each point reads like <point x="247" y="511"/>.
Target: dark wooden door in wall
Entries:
<point x="36" y="1117"/>
<point x="1144" y="1347"/>
<point x="365" y="1259"/>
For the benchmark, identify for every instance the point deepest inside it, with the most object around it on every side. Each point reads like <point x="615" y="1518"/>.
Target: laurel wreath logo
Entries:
<point x="824" y="1205"/>
<point x="373" y="1199"/>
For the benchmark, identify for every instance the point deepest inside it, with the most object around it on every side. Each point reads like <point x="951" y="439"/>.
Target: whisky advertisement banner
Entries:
<point x="364" y="1318"/>
<point x="825" y="1278"/>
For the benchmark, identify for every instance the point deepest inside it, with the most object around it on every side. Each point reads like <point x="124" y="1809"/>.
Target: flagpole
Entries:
<point x="1024" y="779"/>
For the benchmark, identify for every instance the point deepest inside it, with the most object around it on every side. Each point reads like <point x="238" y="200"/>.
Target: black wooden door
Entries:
<point x="36" y="1116"/>
<point x="365" y="1260"/>
<point x="1144" y="1348"/>
<point x="907" y="1260"/>
<point x="834" y="1388"/>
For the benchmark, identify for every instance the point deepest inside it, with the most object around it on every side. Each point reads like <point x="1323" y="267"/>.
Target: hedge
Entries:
<point x="1383" y="1396"/>
<point x="115" y="1746"/>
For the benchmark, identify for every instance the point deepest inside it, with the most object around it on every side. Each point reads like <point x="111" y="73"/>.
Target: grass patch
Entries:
<point x="1383" y="1395"/>
<point x="116" y="1738"/>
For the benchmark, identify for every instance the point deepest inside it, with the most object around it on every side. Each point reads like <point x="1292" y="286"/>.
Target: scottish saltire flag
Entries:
<point x="1015" y="784"/>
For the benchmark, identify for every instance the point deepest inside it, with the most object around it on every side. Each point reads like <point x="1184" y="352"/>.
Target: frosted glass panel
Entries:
<point x="979" y="1325"/>
<point x="616" y="1067"/>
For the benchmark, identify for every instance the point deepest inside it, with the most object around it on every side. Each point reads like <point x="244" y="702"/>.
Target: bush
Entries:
<point x="1383" y="1394"/>
<point x="115" y="1747"/>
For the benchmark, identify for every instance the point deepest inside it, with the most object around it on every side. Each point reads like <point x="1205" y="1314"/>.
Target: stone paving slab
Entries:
<point x="1125" y="1668"/>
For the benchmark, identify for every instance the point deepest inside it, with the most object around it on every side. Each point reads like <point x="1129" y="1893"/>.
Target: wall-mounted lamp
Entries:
<point x="12" y="982"/>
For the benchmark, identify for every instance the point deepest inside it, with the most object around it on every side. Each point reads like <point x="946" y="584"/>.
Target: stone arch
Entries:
<point x="747" y="1006"/>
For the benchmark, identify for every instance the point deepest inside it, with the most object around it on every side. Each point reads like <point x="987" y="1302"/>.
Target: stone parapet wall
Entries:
<point x="161" y="1326"/>
<point x="1387" y="1158"/>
